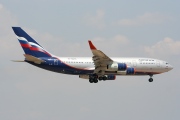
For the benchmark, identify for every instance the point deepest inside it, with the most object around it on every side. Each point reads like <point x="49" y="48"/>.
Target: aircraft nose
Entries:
<point x="170" y="67"/>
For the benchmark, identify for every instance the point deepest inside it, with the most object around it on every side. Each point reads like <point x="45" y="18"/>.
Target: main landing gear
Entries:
<point x="94" y="78"/>
<point x="151" y="79"/>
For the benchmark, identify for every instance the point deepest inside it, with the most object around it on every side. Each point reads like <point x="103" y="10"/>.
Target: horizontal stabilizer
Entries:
<point x="17" y="60"/>
<point x="33" y="59"/>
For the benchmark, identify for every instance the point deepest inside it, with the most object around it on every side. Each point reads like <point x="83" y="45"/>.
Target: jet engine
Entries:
<point x="117" y="67"/>
<point x="130" y="71"/>
<point x="111" y="77"/>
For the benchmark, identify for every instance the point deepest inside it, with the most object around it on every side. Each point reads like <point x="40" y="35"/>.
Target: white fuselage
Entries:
<point x="142" y="65"/>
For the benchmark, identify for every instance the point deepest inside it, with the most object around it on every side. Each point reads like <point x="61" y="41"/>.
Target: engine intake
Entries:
<point x="117" y="67"/>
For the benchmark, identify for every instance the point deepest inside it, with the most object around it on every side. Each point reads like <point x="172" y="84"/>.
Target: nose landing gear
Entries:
<point x="151" y="79"/>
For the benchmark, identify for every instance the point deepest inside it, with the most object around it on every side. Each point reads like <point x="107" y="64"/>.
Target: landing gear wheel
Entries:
<point x="104" y="78"/>
<point x="150" y="79"/>
<point x="100" y="78"/>
<point x="91" y="80"/>
<point x="95" y="81"/>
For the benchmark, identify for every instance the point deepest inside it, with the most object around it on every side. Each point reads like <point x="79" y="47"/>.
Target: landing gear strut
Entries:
<point x="151" y="79"/>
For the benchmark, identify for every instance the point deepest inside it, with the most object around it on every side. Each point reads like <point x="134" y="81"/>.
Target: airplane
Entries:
<point x="99" y="67"/>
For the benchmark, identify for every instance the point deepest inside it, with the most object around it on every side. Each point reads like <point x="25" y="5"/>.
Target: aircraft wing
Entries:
<point x="100" y="59"/>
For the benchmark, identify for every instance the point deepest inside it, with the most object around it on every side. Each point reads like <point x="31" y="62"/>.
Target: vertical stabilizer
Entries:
<point x="29" y="45"/>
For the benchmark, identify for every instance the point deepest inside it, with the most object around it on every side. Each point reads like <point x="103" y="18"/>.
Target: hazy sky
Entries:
<point x="122" y="28"/>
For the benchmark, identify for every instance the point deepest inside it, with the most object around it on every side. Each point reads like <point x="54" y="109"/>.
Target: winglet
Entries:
<point x="92" y="47"/>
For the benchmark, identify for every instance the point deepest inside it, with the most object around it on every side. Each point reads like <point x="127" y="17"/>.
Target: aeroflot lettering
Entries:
<point x="145" y="60"/>
<point x="72" y="59"/>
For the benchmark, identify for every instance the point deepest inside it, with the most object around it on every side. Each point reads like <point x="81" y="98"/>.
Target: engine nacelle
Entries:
<point x="117" y="67"/>
<point x="130" y="71"/>
<point x="111" y="77"/>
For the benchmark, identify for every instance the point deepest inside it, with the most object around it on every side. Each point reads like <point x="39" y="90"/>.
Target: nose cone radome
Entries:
<point x="170" y="67"/>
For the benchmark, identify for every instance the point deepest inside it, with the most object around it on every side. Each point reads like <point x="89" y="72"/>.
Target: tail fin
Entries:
<point x="29" y="45"/>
